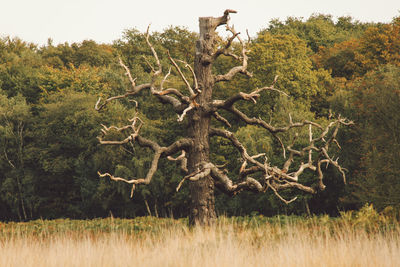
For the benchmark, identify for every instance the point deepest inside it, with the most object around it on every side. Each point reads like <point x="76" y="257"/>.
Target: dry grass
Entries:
<point x="230" y="243"/>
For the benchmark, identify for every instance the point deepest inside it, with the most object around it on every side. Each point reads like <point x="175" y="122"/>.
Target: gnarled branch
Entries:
<point x="238" y="69"/>
<point x="253" y="96"/>
<point x="221" y="119"/>
<point x="182" y="75"/>
<point x="225" y="50"/>
<point x="285" y="177"/>
<point x="178" y="104"/>
<point x="183" y="160"/>
<point x="134" y="182"/>
<point x="159" y="151"/>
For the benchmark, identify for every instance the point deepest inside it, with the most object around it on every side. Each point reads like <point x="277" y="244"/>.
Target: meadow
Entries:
<point x="363" y="238"/>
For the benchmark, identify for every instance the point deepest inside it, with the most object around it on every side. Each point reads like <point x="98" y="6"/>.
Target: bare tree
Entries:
<point x="199" y="108"/>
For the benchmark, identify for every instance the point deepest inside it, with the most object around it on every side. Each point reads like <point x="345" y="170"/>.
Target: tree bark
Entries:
<point x="202" y="208"/>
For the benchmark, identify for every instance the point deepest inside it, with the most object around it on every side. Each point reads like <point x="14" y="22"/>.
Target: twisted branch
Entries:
<point x="238" y="69"/>
<point x="280" y="178"/>
<point x="178" y="104"/>
<point x="159" y="151"/>
<point x="253" y="96"/>
<point x="183" y="159"/>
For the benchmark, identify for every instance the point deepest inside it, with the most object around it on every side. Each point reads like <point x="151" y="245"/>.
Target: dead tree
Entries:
<point x="198" y="107"/>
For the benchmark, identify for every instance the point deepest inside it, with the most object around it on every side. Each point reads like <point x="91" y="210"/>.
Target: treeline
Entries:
<point x="50" y="155"/>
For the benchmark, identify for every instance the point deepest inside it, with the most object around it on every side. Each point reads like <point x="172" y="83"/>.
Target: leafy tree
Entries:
<point x="64" y="146"/>
<point x="19" y="70"/>
<point x="378" y="45"/>
<point x="381" y="45"/>
<point x="374" y="104"/>
<point x="86" y="53"/>
<point x="90" y="53"/>
<point x="179" y="41"/>
<point x="15" y="118"/>
<point x="342" y="59"/>
<point x="288" y="57"/>
<point x="318" y="30"/>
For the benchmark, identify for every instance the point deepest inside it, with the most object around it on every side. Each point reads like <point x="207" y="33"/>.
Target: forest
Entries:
<point x="50" y="154"/>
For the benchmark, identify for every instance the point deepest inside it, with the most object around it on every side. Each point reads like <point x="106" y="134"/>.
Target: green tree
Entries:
<point x="15" y="119"/>
<point x="64" y="144"/>
<point x="87" y="52"/>
<point x="19" y="70"/>
<point x="288" y="57"/>
<point x="373" y="145"/>
<point x="319" y="30"/>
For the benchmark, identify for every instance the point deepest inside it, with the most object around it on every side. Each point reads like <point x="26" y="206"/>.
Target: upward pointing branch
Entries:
<point x="238" y="69"/>
<point x="181" y="74"/>
<point x="179" y="103"/>
<point x="159" y="70"/>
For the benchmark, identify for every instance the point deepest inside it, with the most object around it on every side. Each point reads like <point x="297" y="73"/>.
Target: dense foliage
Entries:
<point x="49" y="153"/>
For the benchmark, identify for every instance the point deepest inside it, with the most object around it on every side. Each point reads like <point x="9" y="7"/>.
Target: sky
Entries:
<point x="105" y="20"/>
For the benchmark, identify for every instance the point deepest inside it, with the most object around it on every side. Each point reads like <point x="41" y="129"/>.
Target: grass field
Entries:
<point x="365" y="238"/>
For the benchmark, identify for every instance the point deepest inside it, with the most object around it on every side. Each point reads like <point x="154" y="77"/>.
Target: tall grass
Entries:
<point x="249" y="241"/>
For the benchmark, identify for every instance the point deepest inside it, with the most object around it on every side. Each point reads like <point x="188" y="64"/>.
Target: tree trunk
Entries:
<point x="202" y="208"/>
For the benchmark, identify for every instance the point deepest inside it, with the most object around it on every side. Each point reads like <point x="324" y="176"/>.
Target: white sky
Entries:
<point x="105" y="20"/>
